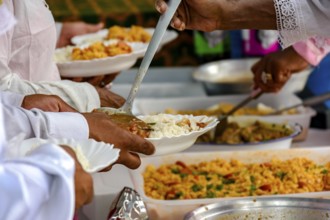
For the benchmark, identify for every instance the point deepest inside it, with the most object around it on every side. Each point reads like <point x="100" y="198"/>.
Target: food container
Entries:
<point x="276" y="101"/>
<point x="235" y="77"/>
<point x="264" y="208"/>
<point x="279" y="143"/>
<point x="176" y="209"/>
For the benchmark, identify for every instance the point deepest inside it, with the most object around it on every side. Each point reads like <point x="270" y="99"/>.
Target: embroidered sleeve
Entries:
<point x="289" y="22"/>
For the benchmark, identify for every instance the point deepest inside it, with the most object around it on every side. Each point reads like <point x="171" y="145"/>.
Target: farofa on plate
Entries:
<point x="132" y="34"/>
<point x="220" y="178"/>
<point x="100" y="50"/>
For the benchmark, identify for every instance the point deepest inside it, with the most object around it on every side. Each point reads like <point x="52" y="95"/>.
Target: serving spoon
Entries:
<point x="161" y="27"/>
<point x="220" y="128"/>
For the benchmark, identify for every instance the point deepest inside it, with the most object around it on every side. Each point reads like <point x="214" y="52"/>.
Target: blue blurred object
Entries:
<point x="319" y="81"/>
<point x="236" y="44"/>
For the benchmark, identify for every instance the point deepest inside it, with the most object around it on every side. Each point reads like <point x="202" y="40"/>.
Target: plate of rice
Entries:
<point x="131" y="34"/>
<point x="174" y="133"/>
<point x="98" y="58"/>
<point x="92" y="155"/>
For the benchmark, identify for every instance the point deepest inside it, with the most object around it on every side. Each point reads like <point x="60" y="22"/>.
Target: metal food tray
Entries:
<point x="147" y="106"/>
<point x="264" y="209"/>
<point x="176" y="209"/>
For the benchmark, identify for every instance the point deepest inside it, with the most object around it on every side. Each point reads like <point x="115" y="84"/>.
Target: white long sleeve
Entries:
<point x="26" y="58"/>
<point x="38" y="187"/>
<point x="301" y="19"/>
<point x="81" y="96"/>
<point x="36" y="123"/>
<point x="11" y="98"/>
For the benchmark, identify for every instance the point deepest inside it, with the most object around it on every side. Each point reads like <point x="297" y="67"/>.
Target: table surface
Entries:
<point x="108" y="185"/>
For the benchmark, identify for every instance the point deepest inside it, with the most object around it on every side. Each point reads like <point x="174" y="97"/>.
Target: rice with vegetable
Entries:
<point x="164" y="125"/>
<point x="221" y="178"/>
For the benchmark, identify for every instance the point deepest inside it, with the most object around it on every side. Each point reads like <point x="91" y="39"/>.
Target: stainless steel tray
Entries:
<point x="264" y="209"/>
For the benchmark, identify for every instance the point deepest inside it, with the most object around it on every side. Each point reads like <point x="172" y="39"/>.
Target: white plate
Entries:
<point x="170" y="145"/>
<point x="88" y="68"/>
<point x="93" y="155"/>
<point x="100" y="35"/>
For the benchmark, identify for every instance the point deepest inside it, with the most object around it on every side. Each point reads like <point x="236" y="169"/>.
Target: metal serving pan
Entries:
<point x="264" y="209"/>
<point x="234" y="76"/>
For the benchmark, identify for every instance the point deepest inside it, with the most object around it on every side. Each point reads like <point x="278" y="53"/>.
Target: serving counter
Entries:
<point x="108" y="185"/>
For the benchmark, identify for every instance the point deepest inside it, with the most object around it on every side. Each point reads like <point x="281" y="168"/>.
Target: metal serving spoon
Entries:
<point x="157" y="36"/>
<point x="220" y="128"/>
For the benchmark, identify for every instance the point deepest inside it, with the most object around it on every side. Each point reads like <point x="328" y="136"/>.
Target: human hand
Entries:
<point x="71" y="29"/>
<point x="83" y="183"/>
<point x="48" y="103"/>
<point x="280" y="65"/>
<point x="100" y="81"/>
<point x="108" y="98"/>
<point x="201" y="15"/>
<point x="101" y="128"/>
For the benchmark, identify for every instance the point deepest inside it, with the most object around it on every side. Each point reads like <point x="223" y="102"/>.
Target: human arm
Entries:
<point x="296" y="20"/>
<point x="289" y="61"/>
<point x="68" y="30"/>
<point x="209" y="15"/>
<point x="36" y="123"/>
<point x="41" y="185"/>
<point x="280" y="65"/>
<point x="313" y="50"/>
<point x="102" y="128"/>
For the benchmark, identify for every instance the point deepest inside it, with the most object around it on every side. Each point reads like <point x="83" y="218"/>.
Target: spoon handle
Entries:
<point x="157" y="36"/>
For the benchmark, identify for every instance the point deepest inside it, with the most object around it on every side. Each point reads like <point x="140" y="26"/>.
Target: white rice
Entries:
<point x="165" y="125"/>
<point x="81" y="158"/>
<point x="63" y="55"/>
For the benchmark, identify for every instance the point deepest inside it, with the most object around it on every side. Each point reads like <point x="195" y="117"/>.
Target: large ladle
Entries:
<point x="157" y="36"/>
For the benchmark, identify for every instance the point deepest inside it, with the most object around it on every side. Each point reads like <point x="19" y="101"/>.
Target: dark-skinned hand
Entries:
<point x="280" y="65"/>
<point x="83" y="182"/>
<point x="48" y="103"/>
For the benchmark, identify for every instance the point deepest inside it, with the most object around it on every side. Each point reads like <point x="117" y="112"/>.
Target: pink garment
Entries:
<point x="313" y="50"/>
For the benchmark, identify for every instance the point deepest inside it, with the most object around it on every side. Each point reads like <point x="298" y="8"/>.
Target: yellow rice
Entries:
<point x="220" y="178"/>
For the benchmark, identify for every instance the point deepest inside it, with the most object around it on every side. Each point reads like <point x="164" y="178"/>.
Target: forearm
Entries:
<point x="313" y="50"/>
<point x="247" y="14"/>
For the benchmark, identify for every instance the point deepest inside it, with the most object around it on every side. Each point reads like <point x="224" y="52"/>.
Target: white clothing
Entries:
<point x="301" y="19"/>
<point x="58" y="26"/>
<point x="26" y="58"/>
<point x="40" y="124"/>
<point x="7" y="20"/>
<point x="38" y="186"/>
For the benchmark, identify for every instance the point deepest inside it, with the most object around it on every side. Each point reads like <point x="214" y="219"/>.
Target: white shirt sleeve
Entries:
<point x="38" y="186"/>
<point x="36" y="123"/>
<point x="7" y="19"/>
<point x="301" y="19"/>
<point x="81" y="96"/>
<point x="10" y="98"/>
